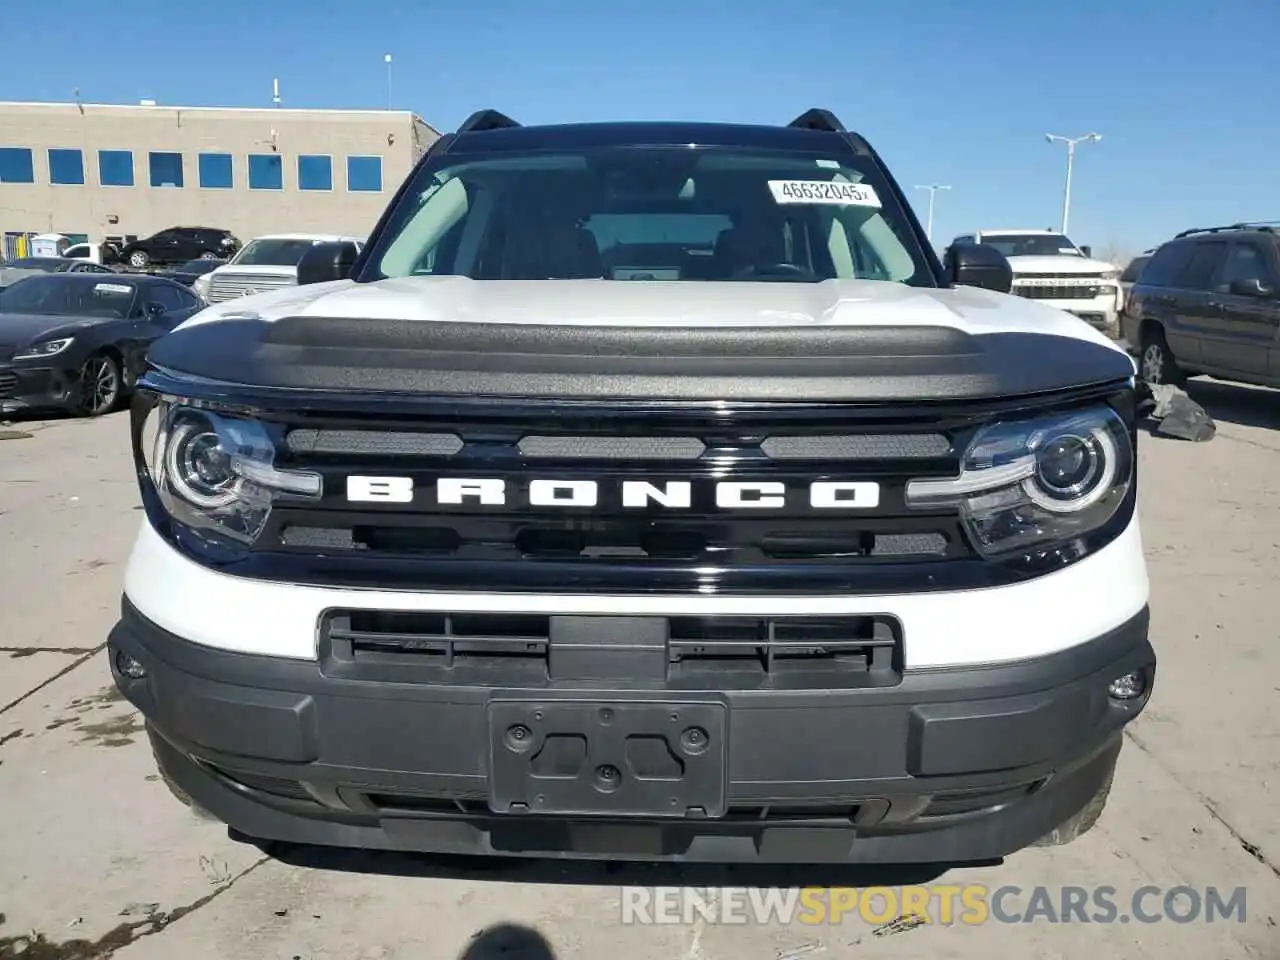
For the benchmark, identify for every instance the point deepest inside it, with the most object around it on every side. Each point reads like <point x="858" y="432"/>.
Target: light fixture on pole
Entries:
<point x="933" y="189"/>
<point x="386" y="58"/>
<point x="1071" y="156"/>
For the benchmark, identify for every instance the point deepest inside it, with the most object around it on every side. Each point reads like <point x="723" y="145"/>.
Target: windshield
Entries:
<point x="43" y="264"/>
<point x="68" y="297"/>
<point x="654" y="213"/>
<point x="1032" y="245"/>
<point x="272" y="253"/>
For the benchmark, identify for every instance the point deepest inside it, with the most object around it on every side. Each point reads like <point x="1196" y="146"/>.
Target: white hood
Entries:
<point x="1066" y="264"/>
<point x="267" y="270"/>
<point x="653" y="304"/>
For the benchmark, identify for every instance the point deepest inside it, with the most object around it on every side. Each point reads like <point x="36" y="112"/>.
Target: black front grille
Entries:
<point x="8" y="384"/>
<point x="678" y="532"/>
<point x="442" y="636"/>
<point x="776" y="643"/>
<point x="707" y="652"/>
<point x="1058" y="293"/>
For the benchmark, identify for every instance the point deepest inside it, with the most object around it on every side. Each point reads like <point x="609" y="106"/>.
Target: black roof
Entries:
<point x="815" y="130"/>
<point x="131" y="279"/>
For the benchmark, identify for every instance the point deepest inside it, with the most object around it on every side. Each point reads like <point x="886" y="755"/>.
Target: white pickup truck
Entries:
<point x="265" y="263"/>
<point x="1049" y="267"/>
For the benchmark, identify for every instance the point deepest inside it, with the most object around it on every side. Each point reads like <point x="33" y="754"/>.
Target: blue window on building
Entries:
<point x="115" y="168"/>
<point x="266" y="171"/>
<point x="315" y="173"/>
<point x="17" y="165"/>
<point x="215" y="171"/>
<point x="364" y="174"/>
<point x="66" y="166"/>
<point x="166" y="169"/>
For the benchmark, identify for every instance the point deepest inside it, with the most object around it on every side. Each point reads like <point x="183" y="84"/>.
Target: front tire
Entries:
<point x="208" y="255"/>
<point x="101" y="385"/>
<point x="1156" y="362"/>
<point x="139" y="259"/>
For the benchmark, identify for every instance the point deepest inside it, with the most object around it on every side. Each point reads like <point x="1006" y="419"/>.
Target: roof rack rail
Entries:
<point x="1266" y="226"/>
<point x="486" y="120"/>
<point x="818" y="119"/>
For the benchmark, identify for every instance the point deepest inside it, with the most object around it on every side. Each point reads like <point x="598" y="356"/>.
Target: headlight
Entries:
<point x="46" y="349"/>
<point x="1037" y="482"/>
<point x="200" y="286"/>
<point x="1111" y="275"/>
<point x="215" y="473"/>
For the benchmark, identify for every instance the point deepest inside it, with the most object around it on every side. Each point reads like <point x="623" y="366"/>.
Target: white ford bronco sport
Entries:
<point x="641" y="491"/>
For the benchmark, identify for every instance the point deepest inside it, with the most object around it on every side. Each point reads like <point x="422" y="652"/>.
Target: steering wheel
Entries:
<point x="773" y="270"/>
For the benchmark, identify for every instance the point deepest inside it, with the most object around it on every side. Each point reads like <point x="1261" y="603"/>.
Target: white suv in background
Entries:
<point x="1048" y="267"/>
<point x="264" y="263"/>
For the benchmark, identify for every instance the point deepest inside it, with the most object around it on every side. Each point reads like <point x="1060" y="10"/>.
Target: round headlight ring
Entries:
<point x="198" y="466"/>
<point x="1097" y="476"/>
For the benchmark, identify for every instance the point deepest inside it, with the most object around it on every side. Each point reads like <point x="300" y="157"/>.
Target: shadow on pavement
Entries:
<point x="510" y="941"/>
<point x="1237" y="403"/>
<point x="607" y="873"/>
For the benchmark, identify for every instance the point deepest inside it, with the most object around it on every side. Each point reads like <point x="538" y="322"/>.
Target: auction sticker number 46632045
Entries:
<point x="823" y="191"/>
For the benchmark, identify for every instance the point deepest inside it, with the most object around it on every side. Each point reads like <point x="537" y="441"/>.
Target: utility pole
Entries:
<point x="386" y="58"/>
<point x="933" y="189"/>
<point x="1071" y="156"/>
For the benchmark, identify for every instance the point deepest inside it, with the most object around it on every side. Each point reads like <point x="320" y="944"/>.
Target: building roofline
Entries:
<point x="76" y="105"/>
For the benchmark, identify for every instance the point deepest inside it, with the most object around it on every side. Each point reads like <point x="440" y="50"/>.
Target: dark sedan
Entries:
<point x="78" y="342"/>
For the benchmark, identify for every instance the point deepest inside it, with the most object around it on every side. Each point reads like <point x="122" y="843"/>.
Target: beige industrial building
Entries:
<point x="96" y="171"/>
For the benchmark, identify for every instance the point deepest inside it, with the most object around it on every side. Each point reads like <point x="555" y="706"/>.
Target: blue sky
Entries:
<point x="949" y="92"/>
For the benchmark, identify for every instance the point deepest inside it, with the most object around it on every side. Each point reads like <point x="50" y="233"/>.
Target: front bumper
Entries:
<point x="34" y="388"/>
<point x="966" y="764"/>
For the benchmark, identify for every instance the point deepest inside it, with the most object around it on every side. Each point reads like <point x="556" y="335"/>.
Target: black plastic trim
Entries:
<point x="1031" y="728"/>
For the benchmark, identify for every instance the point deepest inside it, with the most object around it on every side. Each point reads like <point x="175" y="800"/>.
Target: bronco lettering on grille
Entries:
<point x="673" y="494"/>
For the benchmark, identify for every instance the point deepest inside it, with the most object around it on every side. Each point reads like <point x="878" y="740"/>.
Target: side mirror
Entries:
<point x="978" y="265"/>
<point x="327" y="261"/>
<point x="1251" y="288"/>
<point x="1087" y="251"/>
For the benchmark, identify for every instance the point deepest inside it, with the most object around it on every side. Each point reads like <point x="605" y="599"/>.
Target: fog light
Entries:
<point x="129" y="667"/>
<point x="1129" y="686"/>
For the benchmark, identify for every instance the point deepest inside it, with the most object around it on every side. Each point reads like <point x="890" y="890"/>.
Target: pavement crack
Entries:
<point x="17" y="652"/>
<point x="35" y="946"/>
<point x="57" y="676"/>
<point x="1252" y="849"/>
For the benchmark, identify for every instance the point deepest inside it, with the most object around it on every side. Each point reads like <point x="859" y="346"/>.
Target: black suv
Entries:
<point x="180" y="244"/>
<point x="1208" y="301"/>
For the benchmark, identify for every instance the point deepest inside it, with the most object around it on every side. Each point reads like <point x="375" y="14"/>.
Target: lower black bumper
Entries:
<point x="944" y="766"/>
<point x="35" y="388"/>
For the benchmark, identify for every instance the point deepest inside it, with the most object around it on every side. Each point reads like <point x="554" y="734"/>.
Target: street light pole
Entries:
<point x="387" y="60"/>
<point x="1071" y="157"/>
<point x="933" y="189"/>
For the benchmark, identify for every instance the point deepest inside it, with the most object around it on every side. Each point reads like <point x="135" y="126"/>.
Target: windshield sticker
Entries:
<point x="828" y="164"/>
<point x="1067" y="250"/>
<point x="822" y="191"/>
<point x="111" y="288"/>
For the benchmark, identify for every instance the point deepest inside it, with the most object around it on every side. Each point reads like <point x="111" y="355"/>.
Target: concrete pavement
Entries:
<point x="96" y="859"/>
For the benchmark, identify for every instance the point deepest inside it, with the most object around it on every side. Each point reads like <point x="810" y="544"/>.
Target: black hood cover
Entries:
<point x="807" y="364"/>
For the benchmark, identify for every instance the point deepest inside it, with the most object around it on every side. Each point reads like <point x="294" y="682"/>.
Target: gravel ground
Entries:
<point x="97" y="860"/>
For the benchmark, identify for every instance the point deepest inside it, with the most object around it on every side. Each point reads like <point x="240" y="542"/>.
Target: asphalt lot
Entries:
<point x="96" y="857"/>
